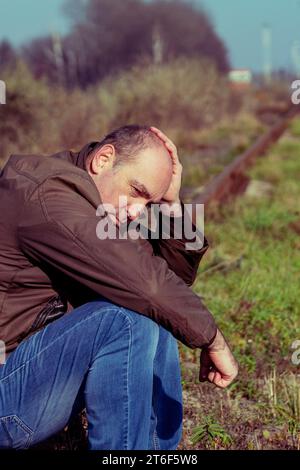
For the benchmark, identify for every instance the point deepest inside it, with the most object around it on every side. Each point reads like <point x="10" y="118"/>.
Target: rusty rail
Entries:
<point x="233" y="179"/>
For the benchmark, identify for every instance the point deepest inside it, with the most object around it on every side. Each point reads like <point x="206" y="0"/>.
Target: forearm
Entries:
<point x="173" y="242"/>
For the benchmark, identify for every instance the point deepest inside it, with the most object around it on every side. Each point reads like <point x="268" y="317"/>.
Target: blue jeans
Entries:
<point x="118" y="364"/>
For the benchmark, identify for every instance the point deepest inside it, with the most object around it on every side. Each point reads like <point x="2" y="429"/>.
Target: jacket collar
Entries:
<point x="79" y="158"/>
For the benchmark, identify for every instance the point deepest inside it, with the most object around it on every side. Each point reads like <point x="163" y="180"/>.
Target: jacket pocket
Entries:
<point x="14" y="433"/>
<point x="54" y="309"/>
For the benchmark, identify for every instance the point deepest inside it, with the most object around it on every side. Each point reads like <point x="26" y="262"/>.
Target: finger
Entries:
<point x="159" y="133"/>
<point x="171" y="147"/>
<point x="211" y="375"/>
<point x="223" y="382"/>
<point x="173" y="154"/>
<point x="164" y="138"/>
<point x="217" y="378"/>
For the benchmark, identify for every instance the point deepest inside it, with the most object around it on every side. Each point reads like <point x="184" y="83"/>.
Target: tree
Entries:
<point x="187" y="31"/>
<point x="8" y="55"/>
<point x="108" y="36"/>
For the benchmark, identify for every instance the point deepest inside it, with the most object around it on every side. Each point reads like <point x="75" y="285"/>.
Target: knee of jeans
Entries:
<point x="101" y="303"/>
<point x="142" y="324"/>
<point x="146" y="329"/>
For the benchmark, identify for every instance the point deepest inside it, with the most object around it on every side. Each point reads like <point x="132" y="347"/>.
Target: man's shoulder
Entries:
<point x="39" y="167"/>
<point x="27" y="172"/>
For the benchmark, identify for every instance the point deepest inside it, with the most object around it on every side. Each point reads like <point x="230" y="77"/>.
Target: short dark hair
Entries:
<point x="129" y="141"/>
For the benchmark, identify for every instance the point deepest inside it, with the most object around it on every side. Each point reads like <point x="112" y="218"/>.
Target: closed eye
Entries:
<point x="135" y="192"/>
<point x="139" y="190"/>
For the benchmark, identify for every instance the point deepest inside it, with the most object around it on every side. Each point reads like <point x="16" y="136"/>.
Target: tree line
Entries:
<point x="107" y="36"/>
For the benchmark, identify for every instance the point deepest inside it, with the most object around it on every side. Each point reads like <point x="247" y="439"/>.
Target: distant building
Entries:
<point x="240" y="78"/>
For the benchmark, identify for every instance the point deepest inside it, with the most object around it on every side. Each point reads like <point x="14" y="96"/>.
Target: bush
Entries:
<point x="187" y="93"/>
<point x="38" y="117"/>
<point x="183" y="98"/>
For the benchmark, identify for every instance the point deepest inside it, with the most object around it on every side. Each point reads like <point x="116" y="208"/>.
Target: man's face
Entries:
<point x="139" y="183"/>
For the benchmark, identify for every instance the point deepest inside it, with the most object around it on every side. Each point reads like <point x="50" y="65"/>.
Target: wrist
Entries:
<point x="218" y="343"/>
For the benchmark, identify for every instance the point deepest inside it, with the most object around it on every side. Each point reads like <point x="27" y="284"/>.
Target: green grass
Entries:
<point x="210" y="432"/>
<point x="295" y="128"/>
<point x="250" y="281"/>
<point x="205" y="152"/>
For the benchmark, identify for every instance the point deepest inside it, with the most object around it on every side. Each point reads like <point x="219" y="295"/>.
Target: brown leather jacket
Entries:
<point x="52" y="261"/>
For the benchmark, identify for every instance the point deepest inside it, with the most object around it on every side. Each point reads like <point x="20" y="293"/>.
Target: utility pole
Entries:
<point x="157" y="45"/>
<point x="295" y="55"/>
<point x="266" y="36"/>
<point x="57" y="50"/>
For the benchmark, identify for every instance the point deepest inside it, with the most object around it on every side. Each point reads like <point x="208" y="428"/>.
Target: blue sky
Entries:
<point x="238" y="22"/>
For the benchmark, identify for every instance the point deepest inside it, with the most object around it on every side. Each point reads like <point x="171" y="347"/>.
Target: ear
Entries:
<point x="103" y="159"/>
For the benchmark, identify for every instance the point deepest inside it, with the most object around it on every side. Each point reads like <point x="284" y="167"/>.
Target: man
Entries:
<point x="90" y="321"/>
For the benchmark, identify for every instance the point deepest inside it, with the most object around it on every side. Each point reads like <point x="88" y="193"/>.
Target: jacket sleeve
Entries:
<point x="183" y="261"/>
<point x="58" y="229"/>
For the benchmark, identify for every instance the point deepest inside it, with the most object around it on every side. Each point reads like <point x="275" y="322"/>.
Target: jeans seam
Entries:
<point x="127" y="411"/>
<point x="155" y="436"/>
<point x="18" y="422"/>
<point x="128" y="319"/>
<point x="107" y="309"/>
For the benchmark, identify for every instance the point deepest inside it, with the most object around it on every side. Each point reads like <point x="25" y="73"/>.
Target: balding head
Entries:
<point x="133" y="162"/>
<point x="129" y="142"/>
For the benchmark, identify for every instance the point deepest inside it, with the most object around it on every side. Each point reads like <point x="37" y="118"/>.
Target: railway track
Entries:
<point x="233" y="180"/>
